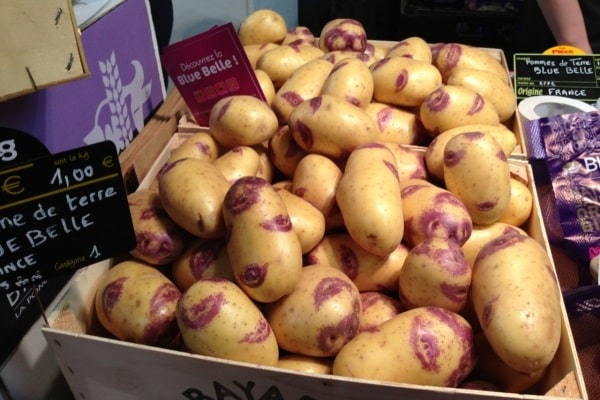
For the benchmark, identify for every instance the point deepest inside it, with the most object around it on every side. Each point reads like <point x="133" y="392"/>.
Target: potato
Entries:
<point x="319" y="316"/>
<point x="451" y="106"/>
<point x="477" y="171"/>
<point x="262" y="26"/>
<point x="435" y="273"/>
<point x="200" y="145"/>
<point x="237" y="162"/>
<point x="377" y="50"/>
<point x="409" y="160"/>
<point x="481" y="234"/>
<point x="306" y="364"/>
<point x="351" y="80"/>
<point x="284" y="152"/>
<point x="305" y="83"/>
<point x="266" y="168"/>
<point x="517" y="301"/>
<point x="159" y="240"/>
<point x="281" y="62"/>
<point x="368" y="271"/>
<point x="492" y="369"/>
<point x="343" y="34"/>
<point x="450" y="56"/>
<point x="493" y="88"/>
<point x="137" y="303"/>
<point x="254" y="51"/>
<point x="520" y="207"/>
<point x="266" y="85"/>
<point x="368" y="196"/>
<point x="299" y="34"/>
<point x="315" y="180"/>
<point x="307" y="221"/>
<point x="414" y="47"/>
<point x="217" y="319"/>
<point x="402" y="81"/>
<point x="192" y="192"/>
<point x="242" y="120"/>
<point x="204" y="258"/>
<point x="335" y="56"/>
<point x="395" y="125"/>
<point x="254" y="215"/>
<point x="422" y="346"/>
<point x="331" y="126"/>
<point x="434" y="155"/>
<point x="377" y="307"/>
<point x="430" y="211"/>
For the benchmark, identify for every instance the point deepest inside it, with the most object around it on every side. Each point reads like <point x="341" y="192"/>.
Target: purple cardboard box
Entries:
<point x="124" y="87"/>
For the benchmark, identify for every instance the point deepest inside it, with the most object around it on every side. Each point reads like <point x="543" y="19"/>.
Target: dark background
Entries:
<point x="521" y="29"/>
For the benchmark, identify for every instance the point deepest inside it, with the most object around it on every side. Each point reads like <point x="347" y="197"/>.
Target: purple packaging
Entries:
<point x="572" y="145"/>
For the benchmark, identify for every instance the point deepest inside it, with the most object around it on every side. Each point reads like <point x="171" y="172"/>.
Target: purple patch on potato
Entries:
<point x="379" y="63"/>
<point x="339" y="38"/>
<point x="199" y="315"/>
<point x="412" y="189"/>
<point x="159" y="247"/>
<point x="352" y="100"/>
<point x="349" y="261"/>
<point x="279" y="223"/>
<point x="500" y="243"/>
<point x="332" y="337"/>
<point x="401" y="80"/>
<point x="369" y="299"/>
<point x="315" y="104"/>
<point x="224" y="109"/>
<point x="306" y="136"/>
<point x="300" y="191"/>
<point x="477" y="105"/>
<point x="161" y="316"/>
<point x="473" y="136"/>
<point x="451" y="257"/>
<point x="203" y="148"/>
<point x="244" y="193"/>
<point x="149" y="213"/>
<point x="112" y="294"/>
<point x="261" y="333"/>
<point x="455" y="293"/>
<point x="453" y="158"/>
<point x="487" y="314"/>
<point x="453" y="55"/>
<point x="384" y="116"/>
<point x="438" y="100"/>
<point x="339" y="66"/>
<point x="486" y="206"/>
<point x="253" y="275"/>
<point x="203" y="256"/>
<point x="424" y="344"/>
<point x="293" y="98"/>
<point x="328" y="288"/>
<point x="393" y="168"/>
<point x="292" y="150"/>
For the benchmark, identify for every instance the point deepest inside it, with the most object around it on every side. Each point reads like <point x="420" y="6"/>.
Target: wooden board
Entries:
<point x="40" y="46"/>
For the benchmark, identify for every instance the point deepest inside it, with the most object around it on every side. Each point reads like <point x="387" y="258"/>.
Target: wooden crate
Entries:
<point x="99" y="367"/>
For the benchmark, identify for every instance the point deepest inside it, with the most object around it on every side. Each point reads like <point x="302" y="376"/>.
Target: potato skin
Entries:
<point x="242" y="120"/>
<point x="450" y="106"/>
<point x="451" y="56"/>
<point x="520" y="206"/>
<point x="472" y="162"/>
<point x="319" y="316"/>
<point x="395" y="125"/>
<point x="351" y="80"/>
<point x="217" y="319"/>
<point x="430" y="210"/>
<point x="159" y="239"/>
<point x="368" y="196"/>
<point x="282" y="61"/>
<point x="137" y="303"/>
<point x="414" y="47"/>
<point x="517" y="301"/>
<point x="423" y="346"/>
<point x="343" y="34"/>
<point x="262" y="26"/>
<point x="403" y="81"/>
<point x="435" y="273"/>
<point x="265" y="252"/>
<point x="192" y="192"/>
<point x="378" y="307"/>
<point x="331" y="126"/>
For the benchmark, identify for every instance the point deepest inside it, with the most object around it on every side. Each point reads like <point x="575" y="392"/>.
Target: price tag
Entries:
<point x="60" y="213"/>
<point x="574" y="76"/>
<point x="208" y="67"/>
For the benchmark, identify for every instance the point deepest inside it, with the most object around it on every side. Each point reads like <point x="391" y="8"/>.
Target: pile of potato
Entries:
<point x="362" y="222"/>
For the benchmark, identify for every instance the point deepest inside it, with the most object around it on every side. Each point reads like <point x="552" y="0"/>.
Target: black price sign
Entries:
<point x="60" y="213"/>
<point x="573" y="76"/>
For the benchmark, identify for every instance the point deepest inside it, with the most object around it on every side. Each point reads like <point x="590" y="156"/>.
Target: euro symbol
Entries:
<point x="108" y="162"/>
<point x="12" y="185"/>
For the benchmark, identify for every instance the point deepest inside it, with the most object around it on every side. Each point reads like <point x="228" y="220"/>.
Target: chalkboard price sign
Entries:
<point x="572" y="76"/>
<point x="60" y="213"/>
